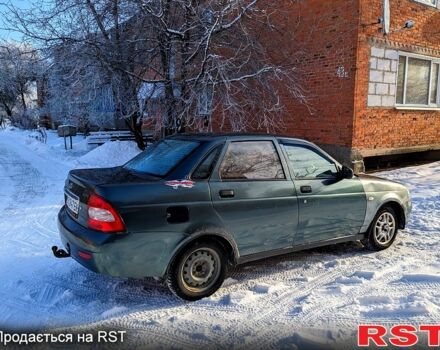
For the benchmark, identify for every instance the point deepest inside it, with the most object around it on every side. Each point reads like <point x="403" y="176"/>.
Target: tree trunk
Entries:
<point x="23" y="100"/>
<point x="7" y="109"/>
<point x="136" y="129"/>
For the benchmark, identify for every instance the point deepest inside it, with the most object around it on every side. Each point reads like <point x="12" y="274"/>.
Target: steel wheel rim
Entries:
<point x="200" y="270"/>
<point x="385" y="228"/>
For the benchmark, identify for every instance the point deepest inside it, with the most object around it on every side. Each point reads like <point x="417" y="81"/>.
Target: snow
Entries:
<point x="110" y="153"/>
<point x="314" y="298"/>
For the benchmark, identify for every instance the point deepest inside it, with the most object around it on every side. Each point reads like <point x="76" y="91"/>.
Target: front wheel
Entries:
<point x="198" y="272"/>
<point x="383" y="230"/>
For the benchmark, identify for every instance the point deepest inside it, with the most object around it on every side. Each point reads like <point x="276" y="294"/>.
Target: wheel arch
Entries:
<point x="208" y="235"/>
<point x="398" y="209"/>
<point x="378" y="200"/>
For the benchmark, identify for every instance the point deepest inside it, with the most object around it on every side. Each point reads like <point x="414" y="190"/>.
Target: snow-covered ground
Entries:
<point x="315" y="297"/>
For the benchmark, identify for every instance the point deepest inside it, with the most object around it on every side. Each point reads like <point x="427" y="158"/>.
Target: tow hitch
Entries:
<point x="60" y="253"/>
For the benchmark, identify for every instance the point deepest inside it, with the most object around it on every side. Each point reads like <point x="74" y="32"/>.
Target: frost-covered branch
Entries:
<point x="172" y="65"/>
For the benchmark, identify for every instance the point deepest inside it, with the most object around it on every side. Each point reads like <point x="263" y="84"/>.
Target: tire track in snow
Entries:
<point x="24" y="217"/>
<point x="28" y="187"/>
<point x="261" y="313"/>
<point x="251" y="310"/>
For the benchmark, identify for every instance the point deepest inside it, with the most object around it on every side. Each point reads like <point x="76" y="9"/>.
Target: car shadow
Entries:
<point x="266" y="266"/>
<point x="107" y="297"/>
<point x="309" y="256"/>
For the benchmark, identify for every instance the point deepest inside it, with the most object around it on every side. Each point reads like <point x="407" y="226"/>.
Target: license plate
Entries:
<point x="72" y="202"/>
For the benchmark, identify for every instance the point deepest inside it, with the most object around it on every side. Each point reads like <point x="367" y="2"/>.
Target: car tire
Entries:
<point x="198" y="271"/>
<point x="383" y="230"/>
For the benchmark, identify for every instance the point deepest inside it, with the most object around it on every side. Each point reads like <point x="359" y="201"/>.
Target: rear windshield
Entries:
<point x="160" y="158"/>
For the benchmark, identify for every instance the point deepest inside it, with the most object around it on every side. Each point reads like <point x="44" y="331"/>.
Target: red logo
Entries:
<point x="399" y="335"/>
<point x="180" y="183"/>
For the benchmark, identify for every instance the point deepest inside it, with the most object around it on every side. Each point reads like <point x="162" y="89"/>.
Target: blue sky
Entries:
<point x="24" y="4"/>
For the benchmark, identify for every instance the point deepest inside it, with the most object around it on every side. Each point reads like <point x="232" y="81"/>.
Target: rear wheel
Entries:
<point x="198" y="272"/>
<point x="383" y="230"/>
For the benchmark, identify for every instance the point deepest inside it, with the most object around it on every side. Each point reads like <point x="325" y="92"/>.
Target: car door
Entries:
<point x="253" y="194"/>
<point x="329" y="206"/>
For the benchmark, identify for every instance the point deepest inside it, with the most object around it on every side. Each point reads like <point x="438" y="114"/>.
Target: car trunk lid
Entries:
<point x="81" y="183"/>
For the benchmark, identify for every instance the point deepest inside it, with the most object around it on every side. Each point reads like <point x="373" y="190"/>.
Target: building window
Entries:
<point x="418" y="82"/>
<point x="434" y="3"/>
<point x="204" y="101"/>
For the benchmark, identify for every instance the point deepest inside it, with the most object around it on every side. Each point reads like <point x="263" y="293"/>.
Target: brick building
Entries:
<point x="372" y="95"/>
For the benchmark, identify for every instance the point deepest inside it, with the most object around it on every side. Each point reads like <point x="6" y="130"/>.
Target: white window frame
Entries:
<point x="429" y="3"/>
<point x="205" y="101"/>
<point x="429" y="106"/>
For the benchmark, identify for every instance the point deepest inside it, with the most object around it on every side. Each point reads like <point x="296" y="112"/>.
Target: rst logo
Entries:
<point x="400" y="335"/>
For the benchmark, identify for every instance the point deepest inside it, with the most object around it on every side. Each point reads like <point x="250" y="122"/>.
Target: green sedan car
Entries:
<point x="193" y="206"/>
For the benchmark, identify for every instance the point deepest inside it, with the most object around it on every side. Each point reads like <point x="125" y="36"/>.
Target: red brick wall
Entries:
<point x="390" y="128"/>
<point x="317" y="37"/>
<point x="322" y="37"/>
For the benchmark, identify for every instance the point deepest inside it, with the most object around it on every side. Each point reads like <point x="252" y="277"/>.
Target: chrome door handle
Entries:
<point x="227" y="193"/>
<point x="306" y="189"/>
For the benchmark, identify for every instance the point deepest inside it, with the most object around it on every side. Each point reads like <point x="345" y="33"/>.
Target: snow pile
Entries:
<point x="80" y="156"/>
<point x="54" y="146"/>
<point x="110" y="154"/>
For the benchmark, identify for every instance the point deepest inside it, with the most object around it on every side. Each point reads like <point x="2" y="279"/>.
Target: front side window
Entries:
<point x="251" y="161"/>
<point x="308" y="163"/>
<point x="162" y="157"/>
<point x="417" y="82"/>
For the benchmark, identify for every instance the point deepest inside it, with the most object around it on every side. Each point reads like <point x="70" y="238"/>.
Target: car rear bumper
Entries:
<point x="135" y="255"/>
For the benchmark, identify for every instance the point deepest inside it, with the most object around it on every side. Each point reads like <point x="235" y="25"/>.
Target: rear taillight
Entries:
<point x="102" y="216"/>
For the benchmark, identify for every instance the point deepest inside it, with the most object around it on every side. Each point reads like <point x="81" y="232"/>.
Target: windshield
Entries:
<point x="160" y="158"/>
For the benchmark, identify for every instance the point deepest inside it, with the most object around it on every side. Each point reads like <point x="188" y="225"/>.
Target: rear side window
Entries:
<point x="204" y="170"/>
<point x="162" y="157"/>
<point x="308" y="163"/>
<point x="252" y="161"/>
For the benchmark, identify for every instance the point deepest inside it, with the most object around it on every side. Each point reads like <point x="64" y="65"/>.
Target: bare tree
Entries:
<point x="78" y="93"/>
<point x="174" y="64"/>
<point x="18" y="70"/>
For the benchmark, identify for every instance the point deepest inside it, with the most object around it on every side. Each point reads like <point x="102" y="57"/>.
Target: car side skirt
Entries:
<point x="270" y="254"/>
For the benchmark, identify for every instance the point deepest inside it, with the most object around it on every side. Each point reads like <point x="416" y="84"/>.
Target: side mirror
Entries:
<point x="346" y="172"/>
